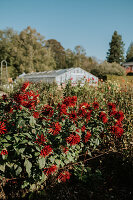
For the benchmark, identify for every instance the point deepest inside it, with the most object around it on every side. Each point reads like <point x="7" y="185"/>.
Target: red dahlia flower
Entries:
<point x="83" y="109"/>
<point x="83" y="128"/>
<point x="117" y="130"/>
<point x="73" y="100"/>
<point x="87" y="136"/>
<point x="50" y="170"/>
<point x="18" y="98"/>
<point x="36" y="115"/>
<point x="95" y="105"/>
<point x="73" y="115"/>
<point x="103" y="116"/>
<point x="46" y="151"/>
<point x="112" y="106"/>
<point x="70" y="101"/>
<point x="27" y="99"/>
<point x="119" y="115"/>
<point x="56" y="128"/>
<point x="104" y="119"/>
<point x="88" y="115"/>
<point x="4" y="152"/>
<point x="84" y="106"/>
<point x="41" y="140"/>
<point x="4" y="97"/>
<point x="67" y="101"/>
<point x="82" y="112"/>
<point x="73" y="139"/>
<point x="63" y="176"/>
<point x="3" y="129"/>
<point x="25" y="86"/>
<point x="62" y="109"/>
<point x="65" y="149"/>
<point x="48" y="111"/>
<point x="11" y="110"/>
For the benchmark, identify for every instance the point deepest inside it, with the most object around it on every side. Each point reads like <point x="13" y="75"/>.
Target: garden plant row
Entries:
<point x="45" y="140"/>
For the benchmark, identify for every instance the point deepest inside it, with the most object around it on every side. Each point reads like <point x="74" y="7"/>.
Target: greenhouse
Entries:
<point x="61" y="76"/>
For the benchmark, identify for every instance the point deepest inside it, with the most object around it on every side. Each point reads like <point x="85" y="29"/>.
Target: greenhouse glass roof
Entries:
<point x="52" y="73"/>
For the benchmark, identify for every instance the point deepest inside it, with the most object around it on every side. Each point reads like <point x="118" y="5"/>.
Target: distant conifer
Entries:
<point x="116" y="50"/>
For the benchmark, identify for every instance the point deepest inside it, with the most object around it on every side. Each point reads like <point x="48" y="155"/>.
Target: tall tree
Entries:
<point x="25" y="52"/>
<point x="58" y="53"/>
<point x="6" y="49"/>
<point x="129" y="51"/>
<point x="116" y="50"/>
<point x="33" y="54"/>
<point x="69" y="58"/>
<point x="6" y="37"/>
<point x="80" y="56"/>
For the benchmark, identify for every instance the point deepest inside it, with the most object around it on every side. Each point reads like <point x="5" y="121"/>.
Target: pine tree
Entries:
<point x="129" y="51"/>
<point x="116" y="50"/>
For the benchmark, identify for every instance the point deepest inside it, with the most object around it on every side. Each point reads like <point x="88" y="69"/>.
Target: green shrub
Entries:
<point x="106" y="68"/>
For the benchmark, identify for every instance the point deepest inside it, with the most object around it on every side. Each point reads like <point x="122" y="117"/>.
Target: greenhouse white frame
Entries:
<point x="61" y="76"/>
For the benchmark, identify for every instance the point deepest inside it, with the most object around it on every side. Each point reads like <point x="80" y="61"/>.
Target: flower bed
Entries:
<point x="39" y="141"/>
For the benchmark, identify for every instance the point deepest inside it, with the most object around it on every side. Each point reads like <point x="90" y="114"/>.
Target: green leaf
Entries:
<point x="82" y="145"/>
<point x="70" y="158"/>
<point x="97" y="141"/>
<point x="31" y="143"/>
<point x="18" y="171"/>
<point x="2" y="168"/>
<point x="4" y="157"/>
<point x="21" y="150"/>
<point x="10" y="165"/>
<point x="8" y="137"/>
<point x="15" y="166"/>
<point x="89" y="152"/>
<point x="62" y="164"/>
<point x="24" y="141"/>
<point x="6" y="145"/>
<point x="32" y="187"/>
<point x="41" y="162"/>
<point x="25" y="184"/>
<point x="32" y="121"/>
<point x="77" y="147"/>
<point x="66" y="161"/>
<point x="52" y="159"/>
<point x="57" y="161"/>
<point x="28" y="166"/>
<point x="17" y="139"/>
<point x="28" y="135"/>
<point x="43" y="178"/>
<point x="37" y="148"/>
<point x="4" y="140"/>
<point x="37" y="154"/>
<point x="21" y="122"/>
<point x="34" y="131"/>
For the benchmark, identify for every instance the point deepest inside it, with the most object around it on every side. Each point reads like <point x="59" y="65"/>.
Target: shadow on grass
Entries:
<point x="107" y="178"/>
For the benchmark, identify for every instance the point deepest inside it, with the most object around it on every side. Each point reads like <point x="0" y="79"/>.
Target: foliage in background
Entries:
<point x="25" y="52"/>
<point x="129" y="52"/>
<point x="106" y="68"/>
<point x="58" y="53"/>
<point x="116" y="50"/>
<point x="28" y="51"/>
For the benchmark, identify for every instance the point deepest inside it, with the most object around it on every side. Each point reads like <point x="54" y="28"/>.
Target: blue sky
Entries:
<point x="89" y="23"/>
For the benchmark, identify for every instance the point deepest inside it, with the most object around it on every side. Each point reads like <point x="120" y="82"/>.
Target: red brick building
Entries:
<point x="128" y="65"/>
